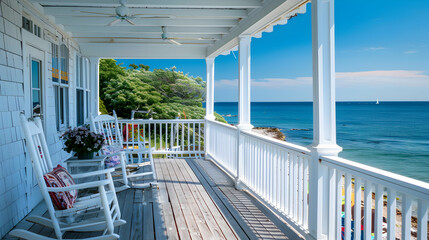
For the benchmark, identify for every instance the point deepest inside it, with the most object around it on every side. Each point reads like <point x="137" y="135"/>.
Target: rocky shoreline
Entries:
<point x="270" y="132"/>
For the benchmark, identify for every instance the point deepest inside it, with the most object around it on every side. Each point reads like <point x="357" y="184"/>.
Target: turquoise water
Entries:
<point x="393" y="136"/>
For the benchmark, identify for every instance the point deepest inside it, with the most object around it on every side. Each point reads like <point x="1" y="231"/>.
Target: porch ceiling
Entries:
<point x="204" y="28"/>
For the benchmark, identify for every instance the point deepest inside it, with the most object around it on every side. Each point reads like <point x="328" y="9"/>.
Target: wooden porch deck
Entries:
<point x="194" y="200"/>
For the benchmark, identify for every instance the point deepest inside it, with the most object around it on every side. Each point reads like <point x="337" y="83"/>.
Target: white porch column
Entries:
<point x="210" y="89"/>
<point x="95" y="83"/>
<point x="244" y="83"/>
<point x="324" y="133"/>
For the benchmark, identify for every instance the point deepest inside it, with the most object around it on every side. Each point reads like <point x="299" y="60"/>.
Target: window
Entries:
<point x="60" y="79"/>
<point x="36" y="87"/>
<point x="28" y="25"/>
<point x="82" y="90"/>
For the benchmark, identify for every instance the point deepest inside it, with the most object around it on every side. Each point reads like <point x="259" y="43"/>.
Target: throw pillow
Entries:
<point x="113" y="160"/>
<point x="59" y="177"/>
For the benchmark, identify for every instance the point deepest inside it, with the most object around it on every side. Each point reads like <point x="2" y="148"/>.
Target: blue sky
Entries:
<point x="382" y="51"/>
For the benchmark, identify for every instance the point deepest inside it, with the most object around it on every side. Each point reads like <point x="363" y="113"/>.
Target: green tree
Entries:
<point x="167" y="92"/>
<point x="134" y="66"/>
<point x="144" y="67"/>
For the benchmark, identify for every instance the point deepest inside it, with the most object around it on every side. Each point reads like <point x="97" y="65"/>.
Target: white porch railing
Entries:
<point x="274" y="171"/>
<point x="277" y="172"/>
<point x="178" y="137"/>
<point x="381" y="192"/>
<point x="223" y="145"/>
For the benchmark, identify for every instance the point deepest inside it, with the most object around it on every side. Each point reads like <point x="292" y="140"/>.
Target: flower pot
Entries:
<point x="85" y="155"/>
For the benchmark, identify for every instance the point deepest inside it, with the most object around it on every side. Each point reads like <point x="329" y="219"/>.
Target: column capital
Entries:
<point x="245" y="37"/>
<point x="94" y="60"/>
<point x="210" y="60"/>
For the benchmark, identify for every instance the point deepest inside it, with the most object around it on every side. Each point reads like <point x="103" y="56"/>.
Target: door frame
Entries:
<point x="31" y="44"/>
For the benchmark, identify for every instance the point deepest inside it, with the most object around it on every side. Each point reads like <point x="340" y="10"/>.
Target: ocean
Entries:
<point x="393" y="136"/>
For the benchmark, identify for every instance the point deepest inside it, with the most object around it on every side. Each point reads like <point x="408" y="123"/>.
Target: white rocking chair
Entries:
<point x="104" y="202"/>
<point x="109" y="127"/>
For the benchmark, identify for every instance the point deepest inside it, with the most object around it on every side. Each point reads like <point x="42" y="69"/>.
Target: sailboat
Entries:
<point x="378" y="102"/>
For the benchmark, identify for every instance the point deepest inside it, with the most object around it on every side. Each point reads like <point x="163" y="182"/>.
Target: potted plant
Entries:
<point x="82" y="141"/>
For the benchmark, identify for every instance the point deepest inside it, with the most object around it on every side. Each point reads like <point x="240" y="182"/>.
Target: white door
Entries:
<point x="34" y="81"/>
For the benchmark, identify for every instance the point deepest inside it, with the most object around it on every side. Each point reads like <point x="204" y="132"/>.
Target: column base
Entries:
<point x="239" y="185"/>
<point x="245" y="126"/>
<point x="210" y="117"/>
<point x="325" y="149"/>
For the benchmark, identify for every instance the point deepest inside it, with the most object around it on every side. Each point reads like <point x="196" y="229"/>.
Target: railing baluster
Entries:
<point x="306" y="186"/>
<point x="357" y="208"/>
<point x="347" y="205"/>
<point x="183" y="138"/>
<point x="286" y="182"/>
<point x="138" y="136"/>
<point x="406" y="217"/>
<point x="282" y="181"/>
<point x="300" y="190"/>
<point x="422" y="220"/>
<point x="332" y="202"/>
<point x="378" y="227"/>
<point x="160" y="136"/>
<point x="368" y="209"/>
<point x="391" y="214"/>
<point x="193" y="134"/>
<point x="338" y="201"/>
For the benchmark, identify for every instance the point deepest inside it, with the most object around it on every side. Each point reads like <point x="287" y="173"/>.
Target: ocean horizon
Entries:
<point x="391" y="135"/>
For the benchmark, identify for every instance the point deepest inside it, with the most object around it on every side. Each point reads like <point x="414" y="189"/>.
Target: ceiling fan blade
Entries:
<point x="105" y="14"/>
<point x="174" y="41"/>
<point x="130" y="22"/>
<point x="113" y="22"/>
<point x="154" y="16"/>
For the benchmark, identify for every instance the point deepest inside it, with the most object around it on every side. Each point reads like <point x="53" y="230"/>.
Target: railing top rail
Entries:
<point x="395" y="181"/>
<point x="222" y="124"/>
<point x="161" y="121"/>
<point x="277" y="142"/>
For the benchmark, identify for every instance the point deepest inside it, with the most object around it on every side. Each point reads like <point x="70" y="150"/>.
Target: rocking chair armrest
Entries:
<point x="79" y="186"/>
<point x="93" y="173"/>
<point x="138" y="150"/>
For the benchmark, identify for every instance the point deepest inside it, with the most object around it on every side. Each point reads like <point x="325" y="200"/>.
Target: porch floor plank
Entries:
<point x="193" y="200"/>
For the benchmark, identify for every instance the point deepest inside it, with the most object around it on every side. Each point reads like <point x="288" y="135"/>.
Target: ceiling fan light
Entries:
<point x="122" y="11"/>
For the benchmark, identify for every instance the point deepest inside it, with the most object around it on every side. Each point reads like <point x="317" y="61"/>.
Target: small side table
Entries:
<point x="75" y="166"/>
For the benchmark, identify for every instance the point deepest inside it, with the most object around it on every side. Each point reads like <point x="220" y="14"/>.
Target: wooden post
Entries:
<point x="95" y="81"/>
<point x="324" y="134"/>
<point x="243" y="102"/>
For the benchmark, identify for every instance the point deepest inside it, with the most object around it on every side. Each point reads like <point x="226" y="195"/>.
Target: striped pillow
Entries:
<point x="59" y="177"/>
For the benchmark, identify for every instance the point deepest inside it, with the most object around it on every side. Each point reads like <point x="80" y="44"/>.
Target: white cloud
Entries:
<point x="374" y="48"/>
<point x="410" y="52"/>
<point x="388" y="78"/>
<point x="345" y="79"/>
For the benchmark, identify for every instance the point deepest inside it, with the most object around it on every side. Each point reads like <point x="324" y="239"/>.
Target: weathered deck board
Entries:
<point x="193" y="200"/>
<point x="262" y="222"/>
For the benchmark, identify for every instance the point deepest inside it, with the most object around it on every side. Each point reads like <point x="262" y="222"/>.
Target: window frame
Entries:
<point x="82" y="86"/>
<point x="62" y="103"/>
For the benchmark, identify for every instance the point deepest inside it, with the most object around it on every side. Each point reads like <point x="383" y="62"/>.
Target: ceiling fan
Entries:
<point x="165" y="37"/>
<point x="123" y="14"/>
